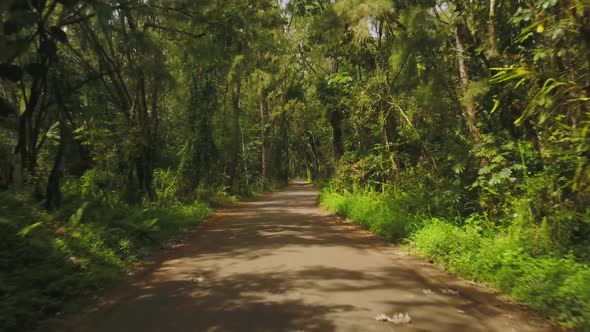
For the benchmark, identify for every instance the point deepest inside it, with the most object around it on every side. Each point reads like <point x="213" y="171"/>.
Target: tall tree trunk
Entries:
<point x="26" y="148"/>
<point x="24" y="151"/>
<point x="151" y="137"/>
<point x="234" y="163"/>
<point x="337" y="137"/>
<point x="53" y="190"/>
<point x="469" y="111"/>
<point x="314" y="156"/>
<point x="18" y="171"/>
<point x="336" y="123"/>
<point x="264" y="137"/>
<point x="155" y="116"/>
<point x="144" y="159"/>
<point x="281" y="167"/>
<point x="493" y="49"/>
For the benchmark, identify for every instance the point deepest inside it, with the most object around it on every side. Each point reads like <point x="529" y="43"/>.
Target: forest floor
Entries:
<point x="280" y="263"/>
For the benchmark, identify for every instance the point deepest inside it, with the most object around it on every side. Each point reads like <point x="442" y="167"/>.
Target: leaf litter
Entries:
<point x="449" y="291"/>
<point x="197" y="280"/>
<point x="398" y="318"/>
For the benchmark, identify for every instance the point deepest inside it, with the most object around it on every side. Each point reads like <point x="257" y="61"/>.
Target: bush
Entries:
<point x="215" y="196"/>
<point x="48" y="259"/>
<point x="557" y="286"/>
<point x="513" y="255"/>
<point x="371" y="210"/>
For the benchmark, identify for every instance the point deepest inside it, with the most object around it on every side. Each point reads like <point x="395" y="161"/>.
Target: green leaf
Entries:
<point x="148" y="224"/>
<point x="458" y="168"/>
<point x="53" y="132"/>
<point x="496" y="105"/>
<point x="77" y="216"/>
<point x="25" y="231"/>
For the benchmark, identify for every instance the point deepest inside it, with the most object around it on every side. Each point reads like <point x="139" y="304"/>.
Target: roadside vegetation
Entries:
<point x="49" y="258"/>
<point x="121" y="125"/>
<point x="511" y="256"/>
<point x="466" y="138"/>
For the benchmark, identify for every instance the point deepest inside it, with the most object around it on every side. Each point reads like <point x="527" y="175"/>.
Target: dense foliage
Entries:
<point x="435" y="121"/>
<point x="465" y="130"/>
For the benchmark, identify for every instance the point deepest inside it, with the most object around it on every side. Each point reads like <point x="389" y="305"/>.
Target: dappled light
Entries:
<point x="294" y="165"/>
<point x="280" y="270"/>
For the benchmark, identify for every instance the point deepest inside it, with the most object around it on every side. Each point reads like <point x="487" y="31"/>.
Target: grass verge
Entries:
<point x="557" y="286"/>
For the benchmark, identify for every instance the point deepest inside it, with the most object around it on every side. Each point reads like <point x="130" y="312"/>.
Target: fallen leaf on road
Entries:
<point x="449" y="291"/>
<point x="172" y="244"/>
<point x="399" y="318"/>
<point x="197" y="280"/>
<point x="382" y="317"/>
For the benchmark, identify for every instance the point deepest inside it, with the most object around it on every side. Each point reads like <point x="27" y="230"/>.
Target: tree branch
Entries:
<point x="169" y="29"/>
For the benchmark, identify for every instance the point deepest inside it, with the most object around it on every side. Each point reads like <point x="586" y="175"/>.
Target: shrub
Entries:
<point x="557" y="286"/>
<point x="370" y="210"/>
<point x="514" y="255"/>
<point x="48" y="259"/>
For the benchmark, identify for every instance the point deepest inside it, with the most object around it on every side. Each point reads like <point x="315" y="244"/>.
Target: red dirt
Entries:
<point x="280" y="263"/>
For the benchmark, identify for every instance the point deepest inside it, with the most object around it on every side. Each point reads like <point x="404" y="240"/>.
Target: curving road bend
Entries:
<point x="280" y="263"/>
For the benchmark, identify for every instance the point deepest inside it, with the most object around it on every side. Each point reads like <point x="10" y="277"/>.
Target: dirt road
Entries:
<point x="282" y="264"/>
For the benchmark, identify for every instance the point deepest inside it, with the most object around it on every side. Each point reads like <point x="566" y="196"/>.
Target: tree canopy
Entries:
<point x="469" y="107"/>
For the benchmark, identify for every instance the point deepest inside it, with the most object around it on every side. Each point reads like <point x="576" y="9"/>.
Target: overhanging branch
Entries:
<point x="169" y="29"/>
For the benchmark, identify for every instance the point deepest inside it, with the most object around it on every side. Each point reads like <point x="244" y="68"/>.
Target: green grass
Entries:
<point x="555" y="285"/>
<point x="49" y="259"/>
<point x="371" y="211"/>
<point x="216" y="198"/>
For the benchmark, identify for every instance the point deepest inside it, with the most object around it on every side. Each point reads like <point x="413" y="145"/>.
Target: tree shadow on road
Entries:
<point x="195" y="288"/>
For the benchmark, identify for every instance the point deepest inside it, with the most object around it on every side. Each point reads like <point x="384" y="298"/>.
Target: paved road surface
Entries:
<point x="282" y="264"/>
